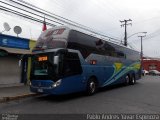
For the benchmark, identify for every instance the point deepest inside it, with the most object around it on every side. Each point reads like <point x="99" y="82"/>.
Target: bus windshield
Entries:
<point x="43" y="68"/>
<point x="51" y="39"/>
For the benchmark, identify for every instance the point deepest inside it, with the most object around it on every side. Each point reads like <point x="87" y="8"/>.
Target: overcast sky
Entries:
<point x="103" y="16"/>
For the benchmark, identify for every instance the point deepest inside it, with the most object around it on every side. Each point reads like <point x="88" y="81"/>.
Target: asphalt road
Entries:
<point x="143" y="97"/>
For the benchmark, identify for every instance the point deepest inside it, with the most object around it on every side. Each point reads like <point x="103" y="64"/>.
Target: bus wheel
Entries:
<point x="127" y="80"/>
<point x="91" y="86"/>
<point x="133" y="80"/>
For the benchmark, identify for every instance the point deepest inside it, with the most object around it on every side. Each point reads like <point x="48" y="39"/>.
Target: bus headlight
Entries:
<point x="56" y="84"/>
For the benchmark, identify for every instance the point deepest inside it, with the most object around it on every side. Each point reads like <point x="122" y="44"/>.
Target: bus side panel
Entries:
<point x="95" y="71"/>
<point x="68" y="85"/>
<point x="72" y="84"/>
<point x="120" y="73"/>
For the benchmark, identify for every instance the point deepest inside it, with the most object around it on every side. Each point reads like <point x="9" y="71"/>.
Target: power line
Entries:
<point x="63" y="21"/>
<point x="24" y="15"/>
<point x="11" y="11"/>
<point x="152" y="35"/>
<point x="33" y="9"/>
<point x="30" y="12"/>
<point x="22" y="1"/>
<point x="46" y="13"/>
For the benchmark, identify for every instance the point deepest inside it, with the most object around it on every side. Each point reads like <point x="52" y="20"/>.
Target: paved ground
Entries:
<point x="144" y="97"/>
<point x="14" y="91"/>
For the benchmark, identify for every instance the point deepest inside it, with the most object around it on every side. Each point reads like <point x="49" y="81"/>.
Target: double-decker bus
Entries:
<point x="66" y="60"/>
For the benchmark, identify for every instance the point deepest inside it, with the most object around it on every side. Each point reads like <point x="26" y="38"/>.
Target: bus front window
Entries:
<point x="43" y="68"/>
<point x="50" y="40"/>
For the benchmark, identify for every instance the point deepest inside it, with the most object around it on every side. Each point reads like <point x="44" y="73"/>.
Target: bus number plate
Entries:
<point x="40" y="90"/>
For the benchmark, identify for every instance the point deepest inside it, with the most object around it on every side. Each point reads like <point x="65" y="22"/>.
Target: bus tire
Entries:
<point x="132" y="80"/>
<point x="91" y="86"/>
<point x="127" y="79"/>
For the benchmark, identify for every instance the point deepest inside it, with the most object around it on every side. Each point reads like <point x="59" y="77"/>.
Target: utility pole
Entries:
<point x="125" y="25"/>
<point x="142" y="49"/>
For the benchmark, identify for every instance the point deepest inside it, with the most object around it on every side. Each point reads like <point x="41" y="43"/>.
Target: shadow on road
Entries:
<point x="69" y="97"/>
<point x="60" y="98"/>
<point x="115" y="87"/>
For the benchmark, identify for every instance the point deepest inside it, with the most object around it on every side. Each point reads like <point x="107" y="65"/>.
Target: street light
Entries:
<point x="135" y="34"/>
<point x="142" y="48"/>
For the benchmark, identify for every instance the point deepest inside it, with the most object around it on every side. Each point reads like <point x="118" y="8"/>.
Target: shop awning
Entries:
<point x="15" y="50"/>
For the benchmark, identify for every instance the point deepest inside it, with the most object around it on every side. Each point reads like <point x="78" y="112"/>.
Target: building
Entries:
<point x="12" y="71"/>
<point x="151" y="64"/>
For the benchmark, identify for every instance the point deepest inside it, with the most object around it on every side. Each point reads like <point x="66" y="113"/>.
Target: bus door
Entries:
<point x="71" y="71"/>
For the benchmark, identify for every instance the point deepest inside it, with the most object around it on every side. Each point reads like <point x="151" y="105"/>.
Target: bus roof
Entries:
<point x="69" y="28"/>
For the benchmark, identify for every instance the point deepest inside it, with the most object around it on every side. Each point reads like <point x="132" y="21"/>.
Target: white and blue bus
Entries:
<point x="66" y="61"/>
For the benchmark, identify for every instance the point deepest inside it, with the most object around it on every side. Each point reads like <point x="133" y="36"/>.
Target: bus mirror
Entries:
<point x="56" y="60"/>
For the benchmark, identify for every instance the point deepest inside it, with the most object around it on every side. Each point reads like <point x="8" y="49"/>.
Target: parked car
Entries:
<point x="154" y="72"/>
<point x="145" y="72"/>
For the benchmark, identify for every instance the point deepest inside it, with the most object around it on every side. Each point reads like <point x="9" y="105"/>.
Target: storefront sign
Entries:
<point x="14" y="42"/>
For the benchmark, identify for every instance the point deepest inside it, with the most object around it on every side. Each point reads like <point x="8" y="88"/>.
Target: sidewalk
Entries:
<point x="14" y="92"/>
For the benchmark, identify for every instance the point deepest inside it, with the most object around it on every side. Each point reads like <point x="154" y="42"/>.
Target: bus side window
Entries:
<point x="71" y="64"/>
<point x="121" y="55"/>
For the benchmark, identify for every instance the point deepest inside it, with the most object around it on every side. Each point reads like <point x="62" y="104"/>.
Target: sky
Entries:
<point x="103" y="16"/>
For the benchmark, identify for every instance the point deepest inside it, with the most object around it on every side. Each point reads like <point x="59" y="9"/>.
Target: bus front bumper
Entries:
<point x="46" y="87"/>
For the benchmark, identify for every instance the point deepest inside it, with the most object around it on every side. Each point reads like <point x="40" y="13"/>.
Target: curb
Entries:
<point x="7" y="99"/>
<point x="12" y="85"/>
